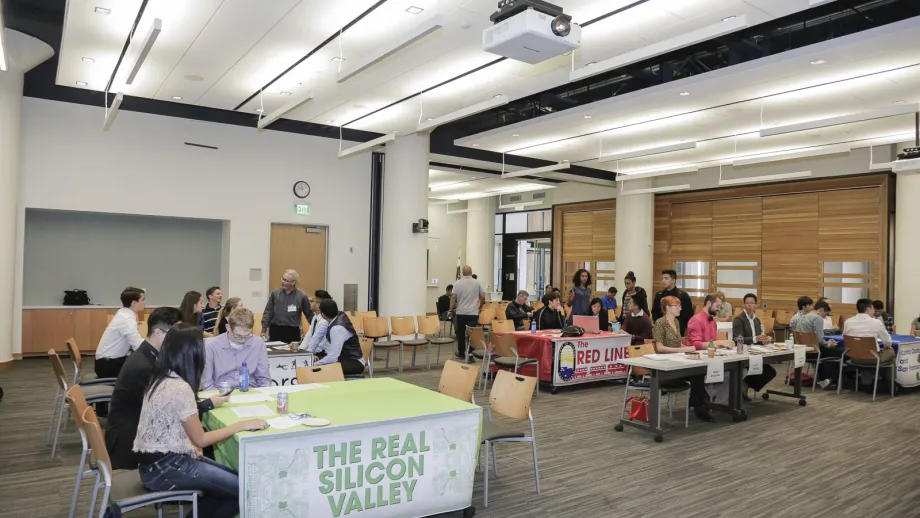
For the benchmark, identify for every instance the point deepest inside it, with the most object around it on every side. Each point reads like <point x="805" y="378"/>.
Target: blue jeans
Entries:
<point x="220" y="484"/>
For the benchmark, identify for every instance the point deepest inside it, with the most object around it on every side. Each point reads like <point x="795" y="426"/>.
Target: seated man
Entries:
<point x="637" y="322"/>
<point x="609" y="300"/>
<point x="128" y="396"/>
<point x="519" y="310"/>
<point x="747" y="325"/>
<point x="121" y="335"/>
<point x="318" y="296"/>
<point x="866" y="325"/>
<point x="335" y="340"/>
<point x="443" y="303"/>
<point x="550" y="316"/>
<point x="813" y="322"/>
<point x="702" y="327"/>
<point x="805" y="305"/>
<point x="225" y="354"/>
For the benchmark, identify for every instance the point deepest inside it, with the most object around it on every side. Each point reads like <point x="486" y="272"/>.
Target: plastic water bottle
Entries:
<point x="244" y="378"/>
<point x="533" y="326"/>
<point x="739" y="344"/>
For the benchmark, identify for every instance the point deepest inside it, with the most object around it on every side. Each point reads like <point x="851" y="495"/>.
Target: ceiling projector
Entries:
<point x="908" y="162"/>
<point x="531" y="31"/>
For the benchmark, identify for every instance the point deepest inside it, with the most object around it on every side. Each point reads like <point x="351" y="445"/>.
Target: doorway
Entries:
<point x="526" y="264"/>
<point x="301" y="248"/>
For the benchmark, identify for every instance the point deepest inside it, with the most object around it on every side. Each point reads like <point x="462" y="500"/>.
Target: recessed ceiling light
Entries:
<point x="338" y="59"/>
<point x="587" y="116"/>
<point x="727" y="18"/>
<point x="414" y="10"/>
<point x="497" y="96"/>
<point x="564" y="161"/>
<point x="285" y="93"/>
<point x="516" y="135"/>
<point x="395" y="131"/>
<point x="89" y="60"/>
<point x="177" y="97"/>
<point x="472" y="178"/>
<point x="430" y="119"/>
<point x="685" y="94"/>
<point x="818" y="62"/>
<point x="898" y="102"/>
<point x="81" y="83"/>
<point x="330" y="121"/>
<point x="591" y="64"/>
<point x="103" y="10"/>
<point x="475" y="145"/>
<point x="193" y="77"/>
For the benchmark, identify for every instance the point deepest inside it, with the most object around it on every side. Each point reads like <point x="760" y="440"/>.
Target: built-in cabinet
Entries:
<point x="44" y="329"/>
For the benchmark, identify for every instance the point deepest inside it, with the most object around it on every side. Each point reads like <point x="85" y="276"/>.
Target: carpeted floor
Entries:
<point x="840" y="456"/>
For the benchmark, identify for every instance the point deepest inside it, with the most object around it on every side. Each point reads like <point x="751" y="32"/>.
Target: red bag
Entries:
<point x="638" y="408"/>
<point x="806" y="379"/>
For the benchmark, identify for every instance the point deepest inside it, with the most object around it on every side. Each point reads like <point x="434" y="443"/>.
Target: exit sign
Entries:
<point x="302" y="209"/>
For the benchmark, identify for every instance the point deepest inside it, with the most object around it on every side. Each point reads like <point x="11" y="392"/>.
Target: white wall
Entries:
<point x="446" y="237"/>
<point x="141" y="166"/>
<point x="907" y="252"/>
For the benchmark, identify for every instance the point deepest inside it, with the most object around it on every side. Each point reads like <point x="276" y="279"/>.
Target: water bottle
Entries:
<point x="244" y="378"/>
<point x="533" y="326"/>
<point x="739" y="344"/>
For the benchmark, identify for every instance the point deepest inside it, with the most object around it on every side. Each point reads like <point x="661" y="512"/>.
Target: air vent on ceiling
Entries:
<point x="539" y="195"/>
<point x="513" y="199"/>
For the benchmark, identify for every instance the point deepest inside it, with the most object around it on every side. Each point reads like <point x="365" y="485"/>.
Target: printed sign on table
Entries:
<point x="579" y="360"/>
<point x="283" y="368"/>
<point x="909" y="364"/>
<point x="715" y="371"/>
<point x="755" y="365"/>
<point x="798" y="357"/>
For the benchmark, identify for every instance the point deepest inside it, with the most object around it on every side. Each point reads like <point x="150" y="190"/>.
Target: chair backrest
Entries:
<point x="367" y="348"/>
<point x="402" y="326"/>
<point x="97" y="443"/>
<point x="429" y="325"/>
<point x="320" y="373"/>
<point x="77" y="404"/>
<point x="366" y="314"/>
<point x="808" y="338"/>
<point x="142" y="329"/>
<point x="638" y="351"/>
<point x="75" y="353"/>
<point x="356" y="323"/>
<point x="503" y="326"/>
<point x="526" y="323"/>
<point x="486" y="316"/>
<point x="512" y="394"/>
<point x="860" y="347"/>
<point x="767" y="324"/>
<point x="58" y="369"/>
<point x="376" y="327"/>
<point x="783" y="318"/>
<point x="722" y="335"/>
<point x="499" y="311"/>
<point x="840" y="321"/>
<point x="737" y="311"/>
<point x="458" y="380"/>
<point x="611" y="316"/>
<point x="536" y="305"/>
<point x="304" y="323"/>
<point x="503" y="344"/>
<point x="477" y="338"/>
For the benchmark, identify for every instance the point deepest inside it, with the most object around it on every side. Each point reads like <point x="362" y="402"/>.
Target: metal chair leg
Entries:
<point x="538" y="378"/>
<point x="536" y="465"/>
<point x="57" y="434"/>
<point x="57" y="397"/>
<point x="401" y="356"/>
<point x="428" y="356"/>
<point x="76" y="489"/>
<point x="892" y="379"/>
<point x="840" y="376"/>
<point x="875" y="382"/>
<point x="687" y="411"/>
<point x="814" y="382"/>
<point x="386" y="363"/>
<point x="92" y="505"/>
<point x="485" y="482"/>
<point x="626" y="391"/>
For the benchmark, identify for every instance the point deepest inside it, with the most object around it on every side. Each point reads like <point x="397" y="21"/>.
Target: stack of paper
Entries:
<point x="253" y="411"/>
<point x="255" y="397"/>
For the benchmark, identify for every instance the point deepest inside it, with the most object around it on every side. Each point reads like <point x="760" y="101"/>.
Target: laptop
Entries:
<point x="591" y="325"/>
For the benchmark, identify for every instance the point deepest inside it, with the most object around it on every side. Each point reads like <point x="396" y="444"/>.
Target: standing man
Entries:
<point x="121" y="335"/>
<point x="669" y="281"/>
<point x="281" y="317"/>
<point x="211" y="309"/>
<point x="465" y="301"/>
<point x="519" y="310"/>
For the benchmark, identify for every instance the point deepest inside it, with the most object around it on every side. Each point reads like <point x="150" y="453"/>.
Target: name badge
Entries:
<point x="755" y="365"/>
<point x="292" y="308"/>
<point x="715" y="371"/>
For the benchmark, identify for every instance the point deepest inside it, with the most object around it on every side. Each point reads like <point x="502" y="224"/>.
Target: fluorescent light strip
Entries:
<point x="652" y="190"/>
<point x="147" y="44"/>
<point x="892" y="111"/>
<point x="112" y="111"/>
<point x="284" y="110"/>
<point x="417" y="33"/>
<point x="537" y="171"/>
<point x="442" y="202"/>
<point x="367" y="146"/>
<point x="659" y="172"/>
<point x="662" y="47"/>
<point x="465" y="112"/>
<point x="3" y="61"/>
<point x="521" y="204"/>
<point x="839" y="149"/>
<point x="647" y="152"/>
<point x="765" y="178"/>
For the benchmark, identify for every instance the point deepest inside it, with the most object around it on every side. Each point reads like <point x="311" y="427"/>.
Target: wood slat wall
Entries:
<point x="582" y="233"/>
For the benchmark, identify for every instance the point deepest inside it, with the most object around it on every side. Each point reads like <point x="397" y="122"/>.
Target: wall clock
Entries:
<point x="301" y="189"/>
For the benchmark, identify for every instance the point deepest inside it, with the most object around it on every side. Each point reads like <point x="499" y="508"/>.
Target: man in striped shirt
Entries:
<point x="211" y="309"/>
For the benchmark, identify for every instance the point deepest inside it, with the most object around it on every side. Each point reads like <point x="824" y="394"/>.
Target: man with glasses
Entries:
<point x="128" y="396"/>
<point x="225" y="354"/>
<point x="318" y="297"/>
<point x="281" y="317"/>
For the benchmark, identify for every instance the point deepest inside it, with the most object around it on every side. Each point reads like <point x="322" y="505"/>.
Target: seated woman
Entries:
<point x="550" y="316"/>
<point x="232" y="303"/>
<point x="596" y="309"/>
<point x="666" y="334"/>
<point x="169" y="433"/>
<point x="636" y="321"/>
<point x="335" y="340"/>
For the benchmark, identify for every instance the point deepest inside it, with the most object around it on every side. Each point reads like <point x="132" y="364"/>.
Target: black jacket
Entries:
<point x="640" y="292"/>
<point x="549" y="319"/>
<point x="686" y="306"/>
<point x="517" y="313"/>
<point x="443" y="304"/>
<point x="125" y="408"/>
<point x="741" y="327"/>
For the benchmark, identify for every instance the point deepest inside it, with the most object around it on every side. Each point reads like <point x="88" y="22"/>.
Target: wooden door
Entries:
<point x="51" y="328"/>
<point x="301" y="248"/>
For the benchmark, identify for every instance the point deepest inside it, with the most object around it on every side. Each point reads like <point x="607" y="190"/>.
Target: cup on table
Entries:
<point x="294" y="346"/>
<point x="790" y="343"/>
<point x="224" y="387"/>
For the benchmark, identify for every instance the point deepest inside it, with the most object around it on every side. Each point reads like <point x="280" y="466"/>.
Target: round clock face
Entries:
<point x="301" y="189"/>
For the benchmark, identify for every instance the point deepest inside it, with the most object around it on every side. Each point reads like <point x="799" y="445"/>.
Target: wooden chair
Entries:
<point x="367" y="352"/>
<point x="378" y="328"/>
<point x="256" y="324"/>
<point x="536" y="305"/>
<point x="502" y="326"/>
<point x="94" y="393"/>
<point x="499" y="311"/>
<point x="124" y="487"/>
<point x="405" y="326"/>
<point x="638" y="351"/>
<point x="840" y="321"/>
<point x="108" y="318"/>
<point x="357" y="324"/>
<point x="486" y="316"/>
<point x="320" y="374"/>
<point x="506" y="356"/>
<point x="78" y="405"/>
<point x="722" y="335"/>
<point x="511" y="397"/>
<point x="783" y="318"/>
<point x="79" y="377"/>
<point x="767" y="324"/>
<point x="478" y="347"/>
<point x="458" y="380"/>
<point x="737" y="311"/>
<point x="430" y="327"/>
<point x="612" y="316"/>
<point x="862" y="353"/>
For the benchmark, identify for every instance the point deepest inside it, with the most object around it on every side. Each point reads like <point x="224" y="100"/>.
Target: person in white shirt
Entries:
<point x="336" y="340"/>
<point x="318" y="297"/>
<point x="866" y="325"/>
<point x="121" y="335"/>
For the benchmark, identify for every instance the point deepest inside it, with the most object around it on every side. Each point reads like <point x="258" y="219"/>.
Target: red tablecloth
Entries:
<point x="540" y="346"/>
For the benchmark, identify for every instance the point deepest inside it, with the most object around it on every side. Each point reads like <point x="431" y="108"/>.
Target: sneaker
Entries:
<point x="824" y="383"/>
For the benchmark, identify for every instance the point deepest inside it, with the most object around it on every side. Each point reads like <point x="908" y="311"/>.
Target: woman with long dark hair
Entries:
<point x="169" y="433"/>
<point x="597" y="310"/>
<point x="580" y="293"/>
<point x="632" y="291"/>
<point x="191" y="307"/>
<point x="232" y="303"/>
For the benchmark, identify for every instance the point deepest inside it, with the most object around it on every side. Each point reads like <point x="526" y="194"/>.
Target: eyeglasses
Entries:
<point x="241" y="338"/>
<point x="287" y="280"/>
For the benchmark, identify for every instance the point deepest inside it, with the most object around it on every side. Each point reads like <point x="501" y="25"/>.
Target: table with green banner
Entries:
<point x="391" y="449"/>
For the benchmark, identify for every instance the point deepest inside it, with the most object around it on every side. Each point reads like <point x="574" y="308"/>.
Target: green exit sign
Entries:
<point x="302" y="209"/>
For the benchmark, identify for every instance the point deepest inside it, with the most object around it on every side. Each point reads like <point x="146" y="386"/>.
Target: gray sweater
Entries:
<point x="284" y="309"/>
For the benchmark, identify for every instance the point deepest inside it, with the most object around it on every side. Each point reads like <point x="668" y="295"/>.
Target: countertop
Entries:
<point x="91" y="306"/>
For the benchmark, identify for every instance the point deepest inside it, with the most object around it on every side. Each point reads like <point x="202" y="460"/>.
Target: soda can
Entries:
<point x="282" y="403"/>
<point x="224" y="387"/>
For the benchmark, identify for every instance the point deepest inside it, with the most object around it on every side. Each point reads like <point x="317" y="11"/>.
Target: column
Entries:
<point x="23" y="53"/>
<point x="906" y="252"/>
<point x="635" y="240"/>
<point x="480" y="240"/>
<point x="403" y="269"/>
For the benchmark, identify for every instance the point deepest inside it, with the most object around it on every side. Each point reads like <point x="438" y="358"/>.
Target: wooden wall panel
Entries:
<point x="602" y="234"/>
<point x="691" y="231"/>
<point x="790" y="223"/>
<point x="662" y="254"/>
<point x="737" y="229"/>
<point x="582" y="233"/>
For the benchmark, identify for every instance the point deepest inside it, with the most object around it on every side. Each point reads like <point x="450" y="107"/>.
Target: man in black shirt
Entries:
<point x="550" y="315"/>
<point x="519" y="310"/>
<point x="132" y="382"/>
<point x="443" y="304"/>
<point x="669" y="280"/>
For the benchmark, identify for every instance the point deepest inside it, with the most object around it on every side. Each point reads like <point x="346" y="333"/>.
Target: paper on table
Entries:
<point x="715" y="371"/>
<point x="762" y="348"/>
<point x="291" y="388"/>
<point x="755" y="365"/>
<point x="282" y="348"/>
<point x="798" y="357"/>
<point x="253" y="411"/>
<point x="273" y="344"/>
<point x="248" y="398"/>
<point x="283" y="422"/>
<point x="662" y="357"/>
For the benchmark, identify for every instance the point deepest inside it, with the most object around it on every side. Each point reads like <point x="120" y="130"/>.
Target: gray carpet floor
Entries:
<point x="840" y="456"/>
